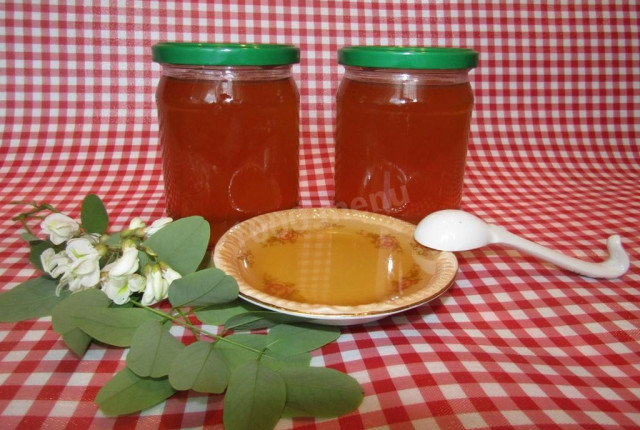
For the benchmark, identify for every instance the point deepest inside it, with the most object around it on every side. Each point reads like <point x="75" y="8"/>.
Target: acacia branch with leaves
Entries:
<point x="262" y="375"/>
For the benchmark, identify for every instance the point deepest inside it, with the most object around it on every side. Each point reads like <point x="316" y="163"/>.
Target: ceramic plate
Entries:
<point x="333" y="266"/>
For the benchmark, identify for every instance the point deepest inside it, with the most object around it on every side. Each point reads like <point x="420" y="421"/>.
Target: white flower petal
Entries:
<point x="80" y="247"/>
<point x="158" y="224"/>
<point x="148" y="298"/>
<point x="156" y="283"/>
<point x="136" y="283"/>
<point x="75" y="284"/>
<point x="111" y="286"/>
<point x="59" y="227"/>
<point x="125" y="265"/>
<point x="170" y="275"/>
<point x="122" y="296"/>
<point x="47" y="260"/>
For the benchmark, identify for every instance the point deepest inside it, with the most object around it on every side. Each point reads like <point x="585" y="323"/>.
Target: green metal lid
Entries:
<point x="225" y="54"/>
<point x="408" y="57"/>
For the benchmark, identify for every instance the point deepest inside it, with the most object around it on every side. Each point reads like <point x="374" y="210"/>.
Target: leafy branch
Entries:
<point x="262" y="375"/>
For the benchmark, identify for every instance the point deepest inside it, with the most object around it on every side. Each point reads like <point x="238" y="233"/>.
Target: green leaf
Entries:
<point x="277" y="361"/>
<point x="238" y="349"/>
<point x="36" y="249"/>
<point x="258" y="319"/>
<point x="294" y="339"/>
<point x="114" y="240"/>
<point x="219" y="314"/>
<point x="113" y="326"/>
<point x="320" y="392"/>
<point x="255" y="398"/>
<point x="181" y="244"/>
<point x="203" y="288"/>
<point x="127" y="392"/>
<point x="93" y="215"/>
<point x="153" y="350"/>
<point x="34" y="298"/>
<point x="76" y="339"/>
<point x="143" y="259"/>
<point x="250" y="321"/>
<point x="199" y="367"/>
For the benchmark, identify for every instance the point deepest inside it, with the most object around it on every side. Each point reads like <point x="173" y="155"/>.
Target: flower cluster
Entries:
<point x="81" y="261"/>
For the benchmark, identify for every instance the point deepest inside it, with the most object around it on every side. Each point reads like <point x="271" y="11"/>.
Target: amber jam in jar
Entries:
<point x="228" y="116"/>
<point x="403" y="117"/>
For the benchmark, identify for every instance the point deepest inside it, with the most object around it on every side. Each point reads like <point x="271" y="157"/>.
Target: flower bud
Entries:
<point x="136" y="223"/>
<point x="139" y="232"/>
<point x="102" y="249"/>
<point x="156" y="288"/>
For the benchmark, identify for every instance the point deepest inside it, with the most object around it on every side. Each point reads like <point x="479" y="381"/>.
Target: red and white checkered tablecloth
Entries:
<point x="554" y="156"/>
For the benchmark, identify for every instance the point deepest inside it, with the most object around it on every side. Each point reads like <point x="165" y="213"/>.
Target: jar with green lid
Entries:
<point x="228" y="116"/>
<point x="403" y="116"/>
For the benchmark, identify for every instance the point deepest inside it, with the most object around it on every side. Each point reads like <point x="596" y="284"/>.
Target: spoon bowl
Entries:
<point x="455" y="230"/>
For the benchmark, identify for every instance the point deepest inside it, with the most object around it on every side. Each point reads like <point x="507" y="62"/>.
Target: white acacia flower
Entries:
<point x="127" y="264"/>
<point x="54" y="264"/>
<point x="119" y="289"/>
<point x="83" y="269"/>
<point x="168" y="274"/>
<point x="158" y="224"/>
<point x="59" y="227"/>
<point x="157" y="287"/>
<point x="116" y="289"/>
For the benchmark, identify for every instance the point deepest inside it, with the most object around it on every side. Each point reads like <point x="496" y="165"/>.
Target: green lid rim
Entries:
<point x="225" y="54"/>
<point x="408" y="57"/>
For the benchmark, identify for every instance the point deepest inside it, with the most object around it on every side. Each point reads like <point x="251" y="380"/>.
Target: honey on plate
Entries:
<point x="332" y="263"/>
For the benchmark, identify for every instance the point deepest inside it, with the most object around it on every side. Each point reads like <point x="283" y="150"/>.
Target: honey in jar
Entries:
<point x="403" y="116"/>
<point x="228" y="116"/>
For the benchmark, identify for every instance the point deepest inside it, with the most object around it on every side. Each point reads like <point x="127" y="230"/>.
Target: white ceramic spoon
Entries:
<point x="454" y="230"/>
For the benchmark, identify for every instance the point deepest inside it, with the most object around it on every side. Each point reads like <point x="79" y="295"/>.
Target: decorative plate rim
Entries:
<point x="229" y="246"/>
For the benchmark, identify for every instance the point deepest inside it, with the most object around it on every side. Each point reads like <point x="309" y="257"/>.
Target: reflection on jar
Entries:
<point x="253" y="191"/>
<point x="385" y="185"/>
<point x="383" y="190"/>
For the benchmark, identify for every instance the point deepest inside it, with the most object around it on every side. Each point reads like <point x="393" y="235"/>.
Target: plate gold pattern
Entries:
<point x="333" y="266"/>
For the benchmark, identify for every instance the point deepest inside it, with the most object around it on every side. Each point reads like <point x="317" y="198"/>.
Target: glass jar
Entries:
<point x="403" y="116"/>
<point x="228" y="116"/>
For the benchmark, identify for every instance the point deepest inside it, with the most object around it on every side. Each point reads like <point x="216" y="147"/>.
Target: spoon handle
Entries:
<point x="614" y="266"/>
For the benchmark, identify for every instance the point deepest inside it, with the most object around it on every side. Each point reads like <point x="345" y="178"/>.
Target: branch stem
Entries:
<point x="23" y="217"/>
<point x="186" y="323"/>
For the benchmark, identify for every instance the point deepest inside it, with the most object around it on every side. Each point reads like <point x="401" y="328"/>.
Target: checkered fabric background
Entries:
<point x="553" y="156"/>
